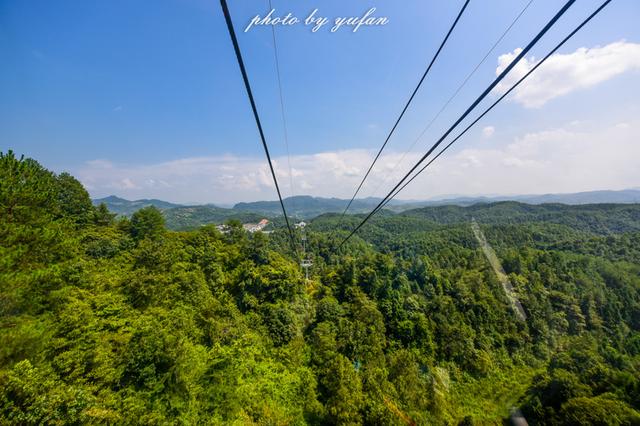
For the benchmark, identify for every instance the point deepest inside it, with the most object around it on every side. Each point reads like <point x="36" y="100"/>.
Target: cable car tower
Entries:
<point x="305" y="262"/>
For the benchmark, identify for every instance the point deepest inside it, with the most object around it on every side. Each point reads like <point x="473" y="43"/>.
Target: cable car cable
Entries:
<point x="499" y="78"/>
<point x="435" y="56"/>
<point x="245" y="78"/>
<point x="558" y="46"/>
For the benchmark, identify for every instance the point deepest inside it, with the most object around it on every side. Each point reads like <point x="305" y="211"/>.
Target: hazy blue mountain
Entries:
<point x="307" y="207"/>
<point x="592" y="197"/>
<point x="626" y="196"/>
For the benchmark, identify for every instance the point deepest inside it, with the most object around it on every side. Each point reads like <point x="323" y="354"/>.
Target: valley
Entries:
<point x="116" y="319"/>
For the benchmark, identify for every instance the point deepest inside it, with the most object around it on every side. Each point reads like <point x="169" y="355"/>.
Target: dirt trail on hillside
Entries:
<point x="490" y="254"/>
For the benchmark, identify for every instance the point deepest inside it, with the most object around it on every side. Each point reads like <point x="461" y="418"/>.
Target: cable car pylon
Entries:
<point x="305" y="262"/>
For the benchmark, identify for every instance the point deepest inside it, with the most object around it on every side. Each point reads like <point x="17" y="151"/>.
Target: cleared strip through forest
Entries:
<point x="491" y="256"/>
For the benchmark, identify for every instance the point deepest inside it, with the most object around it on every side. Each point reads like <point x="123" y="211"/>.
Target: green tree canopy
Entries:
<point x="147" y="222"/>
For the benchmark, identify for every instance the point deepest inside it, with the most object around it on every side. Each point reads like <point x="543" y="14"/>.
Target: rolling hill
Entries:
<point x="126" y="207"/>
<point x="307" y="207"/>
<point x="191" y="217"/>
<point x="179" y="217"/>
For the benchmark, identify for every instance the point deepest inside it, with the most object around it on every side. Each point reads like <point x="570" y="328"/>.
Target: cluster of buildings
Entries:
<point x="249" y="227"/>
<point x="255" y="227"/>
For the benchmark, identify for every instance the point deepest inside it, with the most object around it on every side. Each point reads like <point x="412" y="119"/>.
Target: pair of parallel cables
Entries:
<point x="245" y="78"/>
<point x="406" y="179"/>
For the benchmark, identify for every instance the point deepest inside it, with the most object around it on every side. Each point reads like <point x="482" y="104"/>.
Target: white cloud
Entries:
<point x="488" y="131"/>
<point x="304" y="185"/>
<point x="127" y="183"/>
<point x="567" y="159"/>
<point x="226" y="178"/>
<point x="565" y="73"/>
<point x="554" y="160"/>
<point x="100" y="164"/>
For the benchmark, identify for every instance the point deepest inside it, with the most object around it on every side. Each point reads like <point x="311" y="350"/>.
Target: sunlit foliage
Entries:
<point x="107" y="320"/>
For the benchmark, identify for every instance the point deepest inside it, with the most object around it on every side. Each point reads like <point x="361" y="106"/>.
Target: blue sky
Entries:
<point x="144" y="99"/>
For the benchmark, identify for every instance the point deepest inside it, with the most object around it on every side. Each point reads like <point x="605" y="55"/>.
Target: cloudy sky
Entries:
<point x="145" y="100"/>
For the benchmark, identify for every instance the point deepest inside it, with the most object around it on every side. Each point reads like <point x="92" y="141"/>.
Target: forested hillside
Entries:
<point x="306" y="207"/>
<point x="192" y="217"/>
<point x="127" y="208"/>
<point x="597" y="218"/>
<point x="120" y="321"/>
<point x="178" y="217"/>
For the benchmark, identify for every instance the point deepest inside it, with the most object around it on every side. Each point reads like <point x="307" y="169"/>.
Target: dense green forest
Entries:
<point x="121" y="321"/>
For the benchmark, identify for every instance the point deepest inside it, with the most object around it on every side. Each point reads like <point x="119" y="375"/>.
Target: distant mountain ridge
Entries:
<point x="597" y="217"/>
<point x="306" y="207"/>
<point x="177" y="216"/>
<point x="125" y="207"/>
<point x="625" y="196"/>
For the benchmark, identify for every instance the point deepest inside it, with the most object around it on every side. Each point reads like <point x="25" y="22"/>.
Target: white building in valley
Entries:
<point x="255" y="227"/>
